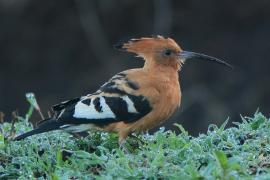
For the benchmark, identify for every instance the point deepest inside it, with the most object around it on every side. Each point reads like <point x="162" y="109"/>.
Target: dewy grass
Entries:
<point x="240" y="152"/>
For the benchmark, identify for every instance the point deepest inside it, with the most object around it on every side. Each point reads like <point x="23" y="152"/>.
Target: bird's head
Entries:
<point x="163" y="51"/>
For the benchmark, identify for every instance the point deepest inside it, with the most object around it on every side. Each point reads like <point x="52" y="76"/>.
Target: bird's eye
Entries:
<point x="167" y="52"/>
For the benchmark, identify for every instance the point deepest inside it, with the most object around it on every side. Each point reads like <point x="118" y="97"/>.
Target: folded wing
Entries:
<point x="113" y="102"/>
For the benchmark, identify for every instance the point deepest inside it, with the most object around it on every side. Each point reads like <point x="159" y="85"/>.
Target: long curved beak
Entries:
<point x="185" y="55"/>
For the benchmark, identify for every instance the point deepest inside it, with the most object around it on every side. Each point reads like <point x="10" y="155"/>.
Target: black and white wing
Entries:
<point x="113" y="102"/>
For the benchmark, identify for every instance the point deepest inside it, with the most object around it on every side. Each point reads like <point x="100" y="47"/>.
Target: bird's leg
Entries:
<point x="123" y="147"/>
<point x="122" y="142"/>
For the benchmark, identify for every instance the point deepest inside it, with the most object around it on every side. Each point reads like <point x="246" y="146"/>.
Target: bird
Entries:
<point x="132" y="101"/>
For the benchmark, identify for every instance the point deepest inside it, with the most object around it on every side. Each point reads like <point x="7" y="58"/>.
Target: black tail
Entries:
<point x="46" y="125"/>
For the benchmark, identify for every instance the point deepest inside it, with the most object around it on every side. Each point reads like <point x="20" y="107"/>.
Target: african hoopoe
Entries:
<point x="134" y="100"/>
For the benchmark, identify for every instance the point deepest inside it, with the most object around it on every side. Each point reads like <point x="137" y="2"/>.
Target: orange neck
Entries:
<point x="166" y="71"/>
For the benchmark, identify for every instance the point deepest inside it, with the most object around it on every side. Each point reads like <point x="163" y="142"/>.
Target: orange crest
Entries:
<point x="145" y="47"/>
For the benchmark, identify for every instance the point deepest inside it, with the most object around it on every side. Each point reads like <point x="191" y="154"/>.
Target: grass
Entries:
<point x="240" y="152"/>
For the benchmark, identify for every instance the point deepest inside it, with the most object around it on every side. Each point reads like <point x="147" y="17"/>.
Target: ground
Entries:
<point x="238" y="152"/>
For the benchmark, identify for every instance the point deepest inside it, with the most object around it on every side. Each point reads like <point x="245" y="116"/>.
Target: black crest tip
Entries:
<point x="119" y="46"/>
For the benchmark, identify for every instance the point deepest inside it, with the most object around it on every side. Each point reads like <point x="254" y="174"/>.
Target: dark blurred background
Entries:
<point x="63" y="49"/>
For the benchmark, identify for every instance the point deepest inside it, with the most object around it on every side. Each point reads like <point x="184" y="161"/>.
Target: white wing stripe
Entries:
<point x="130" y="104"/>
<point x="89" y="112"/>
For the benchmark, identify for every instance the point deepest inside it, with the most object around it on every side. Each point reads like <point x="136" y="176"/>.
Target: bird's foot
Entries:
<point x="123" y="147"/>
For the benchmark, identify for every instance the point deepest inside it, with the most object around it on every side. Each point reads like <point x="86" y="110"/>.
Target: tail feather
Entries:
<point x="45" y="126"/>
